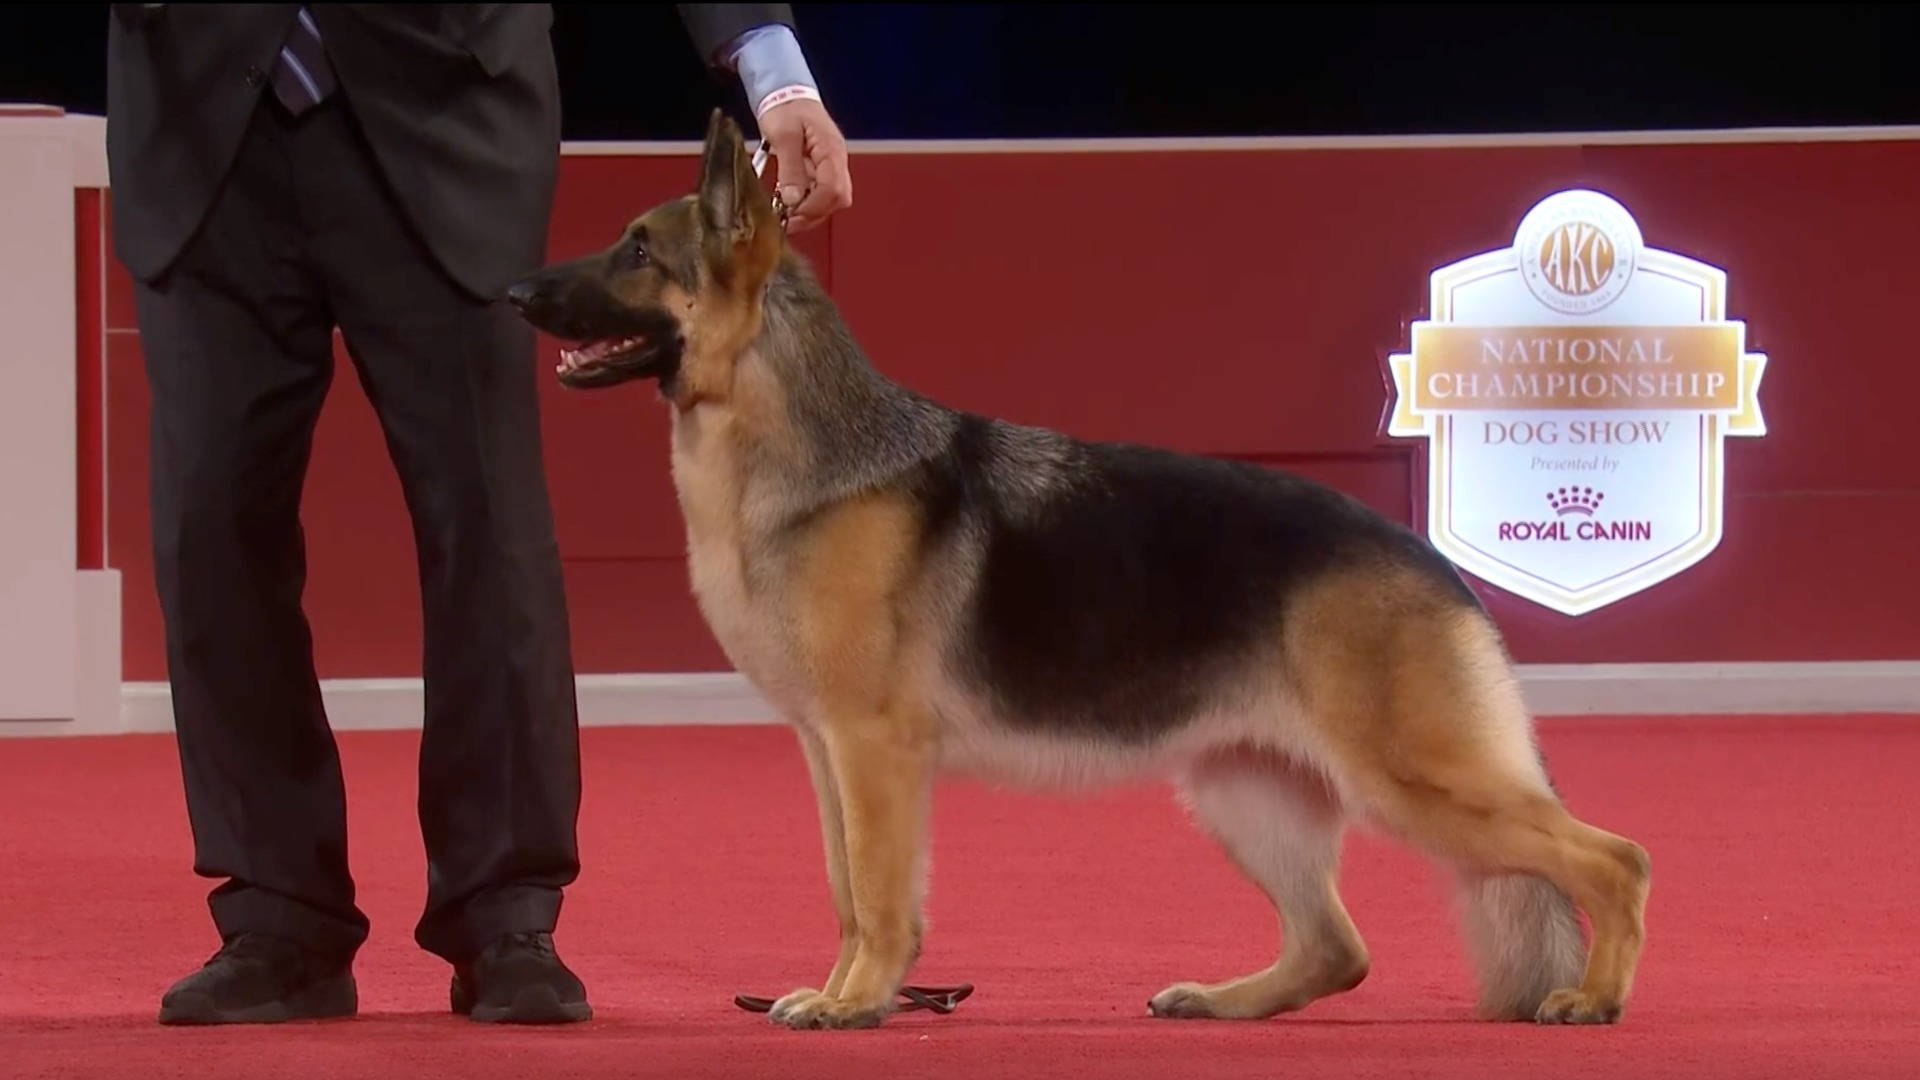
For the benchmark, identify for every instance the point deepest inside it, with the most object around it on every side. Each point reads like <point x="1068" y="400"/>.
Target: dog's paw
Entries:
<point x="1183" y="1001"/>
<point x="1576" y="1007"/>
<point x="793" y="1003"/>
<point x="805" y="1010"/>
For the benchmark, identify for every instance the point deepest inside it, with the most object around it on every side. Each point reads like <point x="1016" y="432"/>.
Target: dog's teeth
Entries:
<point x="572" y="359"/>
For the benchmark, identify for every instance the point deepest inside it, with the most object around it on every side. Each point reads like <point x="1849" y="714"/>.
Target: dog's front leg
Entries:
<point x="833" y="841"/>
<point x="882" y="771"/>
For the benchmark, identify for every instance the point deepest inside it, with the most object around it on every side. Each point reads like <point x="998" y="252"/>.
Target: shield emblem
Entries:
<point x="1576" y="390"/>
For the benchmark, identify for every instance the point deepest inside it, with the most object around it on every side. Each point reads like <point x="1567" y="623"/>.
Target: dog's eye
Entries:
<point x="636" y="256"/>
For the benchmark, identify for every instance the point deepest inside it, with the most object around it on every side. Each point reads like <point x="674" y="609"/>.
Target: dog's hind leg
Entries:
<point x="1282" y="827"/>
<point x="1435" y="742"/>
<point x="1494" y="830"/>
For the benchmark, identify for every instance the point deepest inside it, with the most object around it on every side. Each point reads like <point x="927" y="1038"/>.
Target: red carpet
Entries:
<point x="1782" y="926"/>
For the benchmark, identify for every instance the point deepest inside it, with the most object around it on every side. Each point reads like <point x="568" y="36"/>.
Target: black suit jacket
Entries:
<point x="460" y="102"/>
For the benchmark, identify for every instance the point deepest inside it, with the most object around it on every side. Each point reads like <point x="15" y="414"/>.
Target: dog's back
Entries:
<point x="1115" y="597"/>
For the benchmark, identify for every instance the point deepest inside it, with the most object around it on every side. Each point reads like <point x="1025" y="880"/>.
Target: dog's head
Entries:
<point x="677" y="298"/>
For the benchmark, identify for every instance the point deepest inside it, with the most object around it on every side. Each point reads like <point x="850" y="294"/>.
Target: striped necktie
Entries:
<point x="303" y="78"/>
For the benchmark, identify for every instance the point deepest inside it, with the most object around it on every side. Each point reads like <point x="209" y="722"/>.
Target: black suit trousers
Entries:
<point x="304" y="238"/>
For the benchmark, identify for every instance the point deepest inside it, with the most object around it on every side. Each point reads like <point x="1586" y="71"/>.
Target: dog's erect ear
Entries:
<point x="734" y="206"/>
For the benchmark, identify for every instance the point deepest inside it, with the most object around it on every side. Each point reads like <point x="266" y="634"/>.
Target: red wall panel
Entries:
<point x="1814" y="239"/>
<point x="1225" y="303"/>
<point x="1219" y="303"/>
<point x="90" y="420"/>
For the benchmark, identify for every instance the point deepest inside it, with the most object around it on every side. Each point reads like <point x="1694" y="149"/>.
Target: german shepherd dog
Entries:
<point x="917" y="589"/>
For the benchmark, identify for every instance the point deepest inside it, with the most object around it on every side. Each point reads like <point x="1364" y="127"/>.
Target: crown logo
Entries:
<point x="1574" y="500"/>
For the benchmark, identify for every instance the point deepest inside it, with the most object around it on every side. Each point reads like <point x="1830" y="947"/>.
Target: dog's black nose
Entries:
<point x="521" y="294"/>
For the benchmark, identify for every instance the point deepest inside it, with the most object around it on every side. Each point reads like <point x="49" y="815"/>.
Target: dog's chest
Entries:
<point x="725" y="510"/>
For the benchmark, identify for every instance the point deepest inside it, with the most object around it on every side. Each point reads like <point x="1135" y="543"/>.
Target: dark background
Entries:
<point x="894" y="71"/>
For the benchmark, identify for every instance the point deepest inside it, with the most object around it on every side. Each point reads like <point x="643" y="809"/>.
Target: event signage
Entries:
<point x="1576" y="390"/>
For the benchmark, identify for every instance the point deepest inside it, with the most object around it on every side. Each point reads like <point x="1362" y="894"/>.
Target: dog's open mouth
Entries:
<point x="585" y="357"/>
<point x="603" y="363"/>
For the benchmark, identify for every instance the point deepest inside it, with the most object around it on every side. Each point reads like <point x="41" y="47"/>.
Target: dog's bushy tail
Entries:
<point x="1523" y="938"/>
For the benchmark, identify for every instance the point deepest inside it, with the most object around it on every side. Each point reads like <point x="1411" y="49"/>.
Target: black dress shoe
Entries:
<point x="261" y="979"/>
<point x="519" y="979"/>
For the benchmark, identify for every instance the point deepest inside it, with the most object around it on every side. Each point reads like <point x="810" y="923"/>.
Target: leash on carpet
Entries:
<point x="939" y="999"/>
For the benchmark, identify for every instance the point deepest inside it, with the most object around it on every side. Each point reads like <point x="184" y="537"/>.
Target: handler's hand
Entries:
<point x="812" y="156"/>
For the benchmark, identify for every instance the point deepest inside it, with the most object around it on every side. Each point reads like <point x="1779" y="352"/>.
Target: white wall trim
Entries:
<point x="1817" y="689"/>
<point x="1306" y="143"/>
<point x="89" y="137"/>
<point x="1779" y="689"/>
<point x="605" y="701"/>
